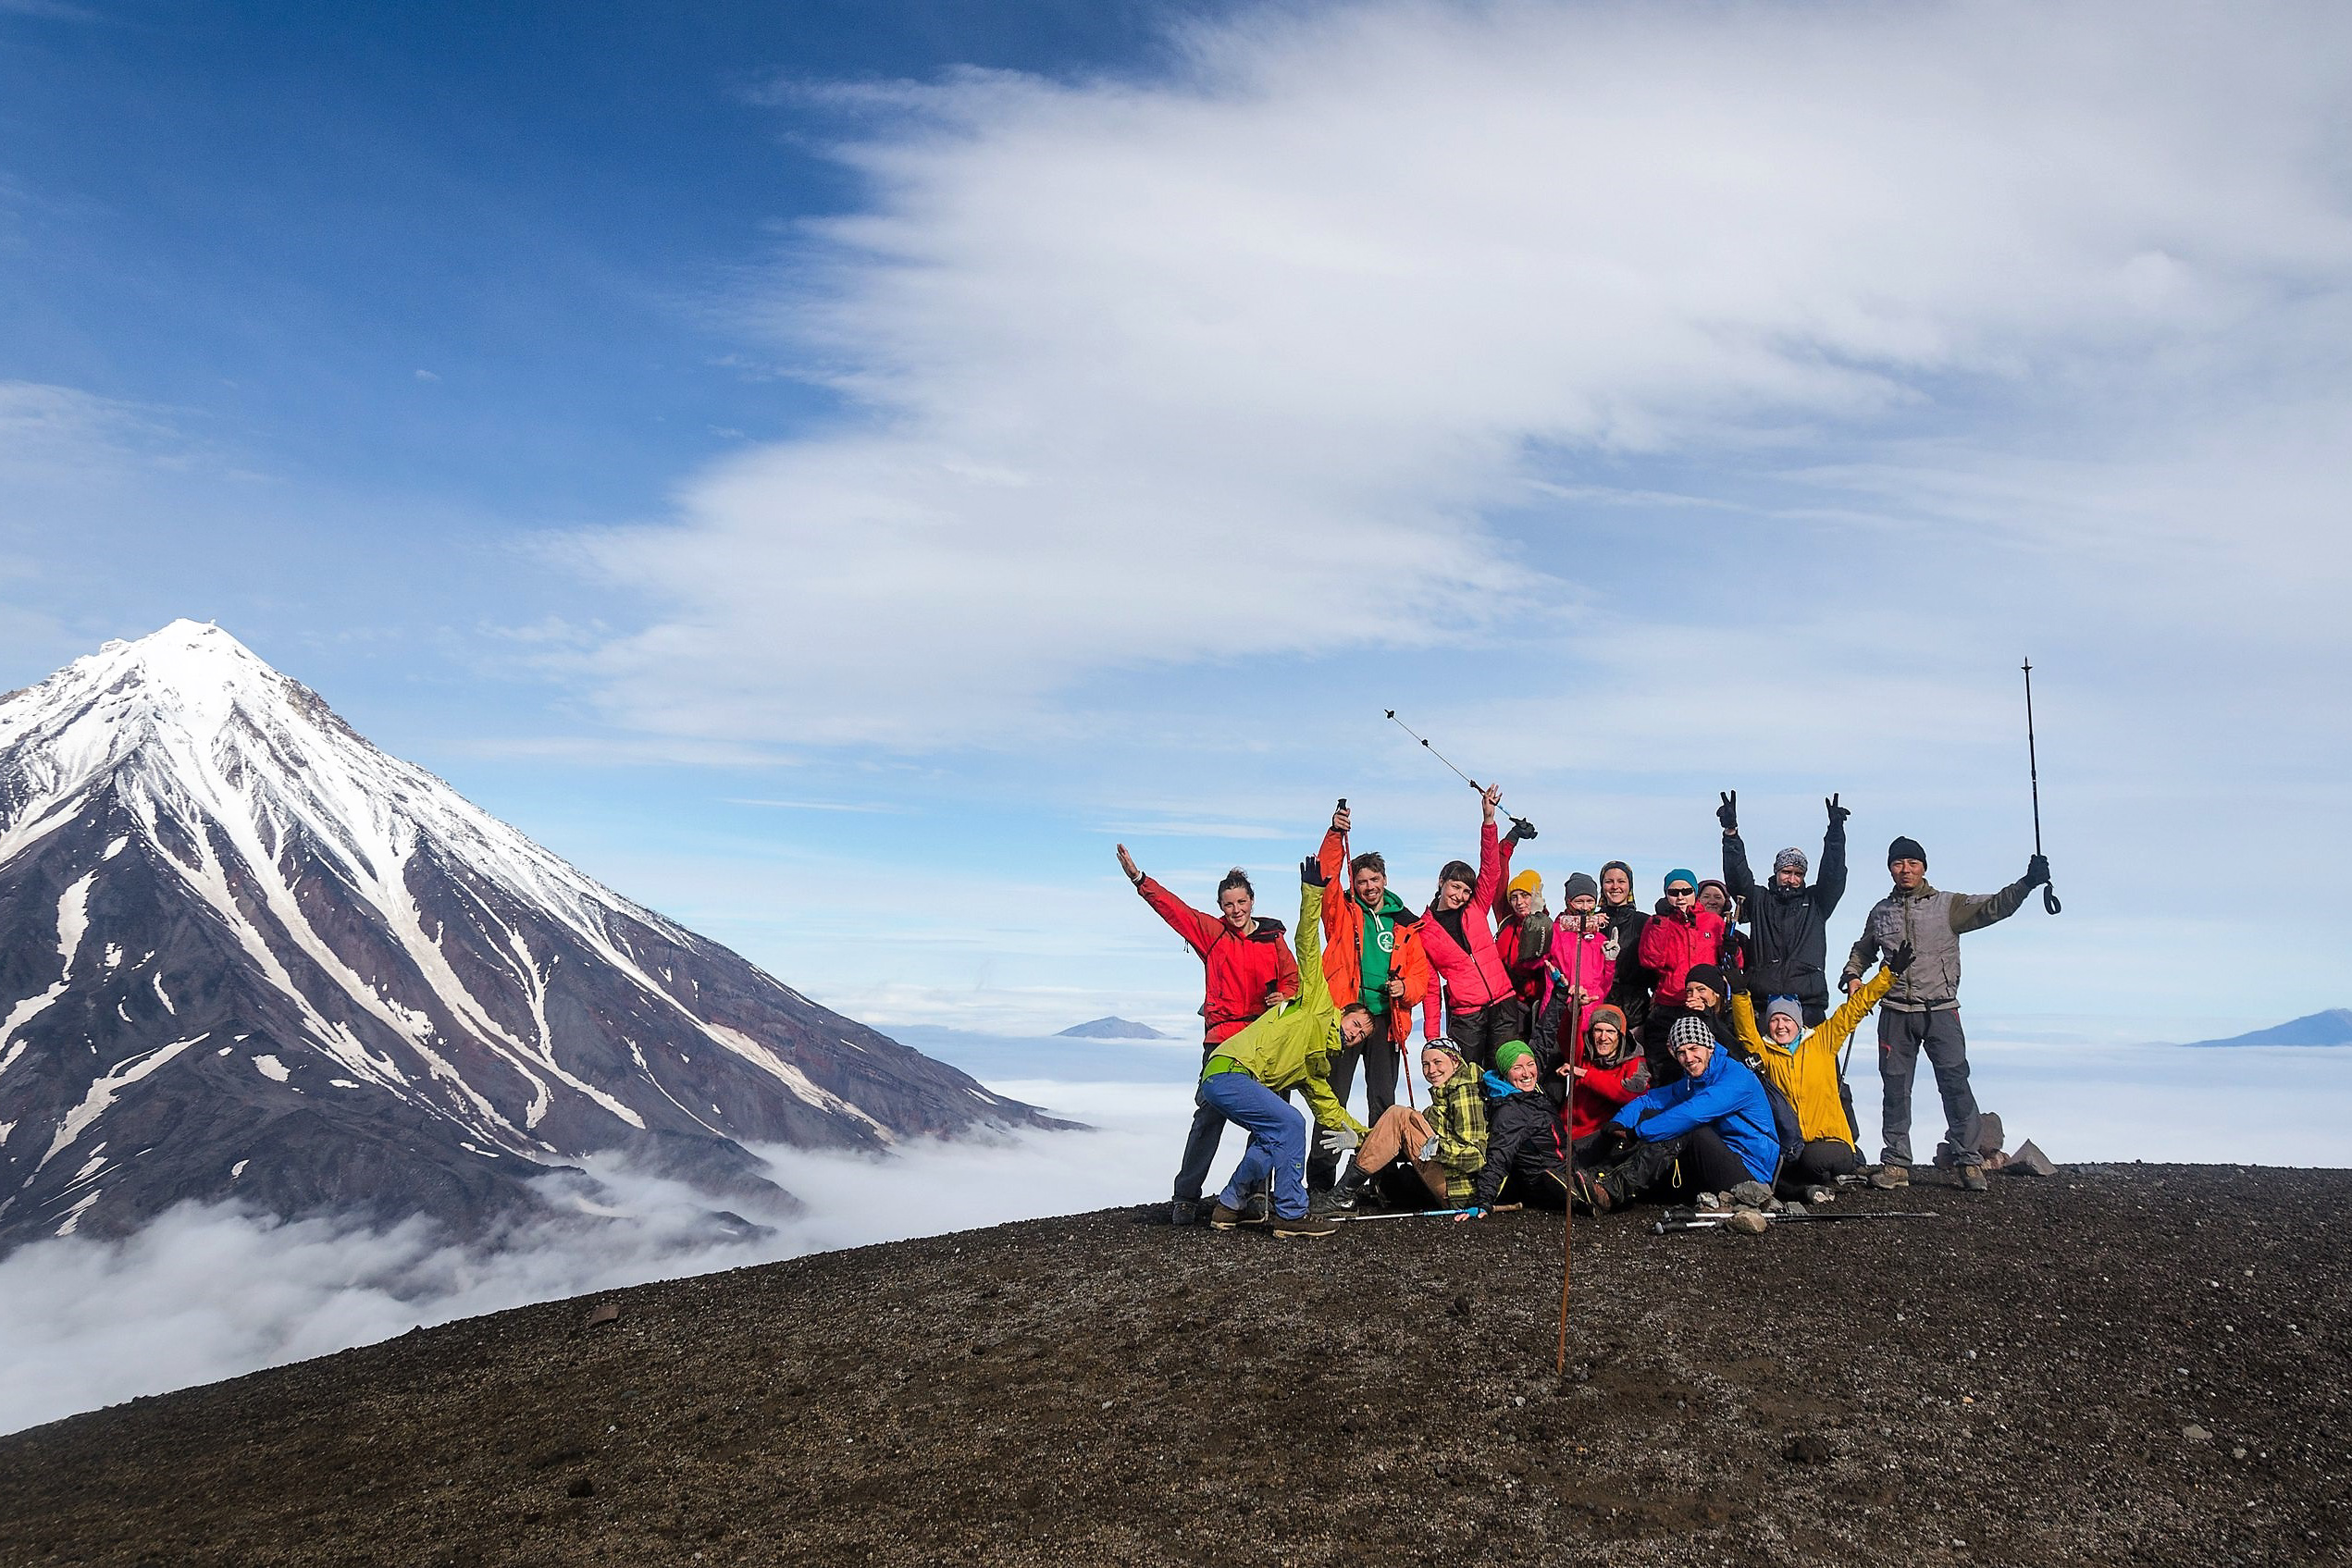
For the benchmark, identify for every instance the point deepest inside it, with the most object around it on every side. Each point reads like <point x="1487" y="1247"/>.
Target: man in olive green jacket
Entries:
<point x="1292" y="1048"/>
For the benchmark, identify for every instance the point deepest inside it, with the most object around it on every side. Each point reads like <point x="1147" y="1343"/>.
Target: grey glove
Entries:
<point x="1340" y="1140"/>
<point x="1428" y="1150"/>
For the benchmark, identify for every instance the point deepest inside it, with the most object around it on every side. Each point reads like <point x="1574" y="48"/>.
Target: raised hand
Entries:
<point x="1340" y="819"/>
<point x="1521" y="828"/>
<point x="1489" y="799"/>
<point x="1127" y="864"/>
<point x="2037" y="871"/>
<point x="1311" y="873"/>
<point x="1728" y="812"/>
<point x="1837" y="814"/>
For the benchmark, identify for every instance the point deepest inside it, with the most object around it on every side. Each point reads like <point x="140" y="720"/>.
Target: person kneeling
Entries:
<point x="1707" y="1131"/>
<point x="1412" y="1157"/>
<point x="1245" y="1080"/>
<point x="1803" y="1066"/>
<point x="1527" y="1159"/>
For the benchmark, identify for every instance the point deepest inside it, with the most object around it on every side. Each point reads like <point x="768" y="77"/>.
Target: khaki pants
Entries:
<point x="1402" y="1130"/>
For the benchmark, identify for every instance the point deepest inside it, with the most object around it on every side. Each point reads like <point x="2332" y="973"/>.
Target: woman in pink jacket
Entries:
<point x="1458" y="937"/>
<point x="1681" y="935"/>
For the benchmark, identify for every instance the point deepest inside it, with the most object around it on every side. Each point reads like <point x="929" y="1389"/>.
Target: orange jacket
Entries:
<point x="1344" y="944"/>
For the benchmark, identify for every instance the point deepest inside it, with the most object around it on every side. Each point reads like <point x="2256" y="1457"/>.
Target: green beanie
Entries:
<point x="1508" y="1052"/>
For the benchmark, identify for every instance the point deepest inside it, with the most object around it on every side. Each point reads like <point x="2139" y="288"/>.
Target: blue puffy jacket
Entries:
<point x="1728" y="1098"/>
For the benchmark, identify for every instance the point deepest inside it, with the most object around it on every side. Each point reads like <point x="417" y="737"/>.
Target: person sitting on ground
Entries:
<point x="1525" y="1158"/>
<point x="1606" y="1073"/>
<point x="1294" y="1048"/>
<point x="1371" y="955"/>
<point x="1923" y="1009"/>
<point x="1707" y="1131"/>
<point x="1249" y="969"/>
<point x="1411" y="1158"/>
<point x="1522" y="937"/>
<point x="1803" y="1066"/>
<point x="1679" y="937"/>
<point x="1788" y="920"/>
<point x="1457" y="934"/>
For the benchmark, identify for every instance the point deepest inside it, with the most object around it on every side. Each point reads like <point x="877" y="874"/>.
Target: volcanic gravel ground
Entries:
<point x="2128" y="1365"/>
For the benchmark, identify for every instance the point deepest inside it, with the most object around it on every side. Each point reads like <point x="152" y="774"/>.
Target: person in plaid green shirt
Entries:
<point x="1424" y="1154"/>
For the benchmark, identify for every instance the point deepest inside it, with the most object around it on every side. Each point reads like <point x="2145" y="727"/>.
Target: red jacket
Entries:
<point x="1241" y="970"/>
<point x="1472" y="969"/>
<point x="1602" y="1091"/>
<point x="1671" y="948"/>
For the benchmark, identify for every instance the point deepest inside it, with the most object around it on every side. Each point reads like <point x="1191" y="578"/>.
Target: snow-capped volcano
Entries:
<point x="245" y="954"/>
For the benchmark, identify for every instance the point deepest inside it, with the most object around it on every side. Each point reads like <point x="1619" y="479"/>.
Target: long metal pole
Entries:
<point x="2034" y="774"/>
<point x="1567" y="1204"/>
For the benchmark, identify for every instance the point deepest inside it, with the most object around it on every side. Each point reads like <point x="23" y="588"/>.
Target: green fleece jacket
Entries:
<point x="1292" y="1048"/>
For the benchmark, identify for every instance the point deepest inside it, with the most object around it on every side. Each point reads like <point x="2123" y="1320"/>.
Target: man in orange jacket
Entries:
<point x="1371" y="954"/>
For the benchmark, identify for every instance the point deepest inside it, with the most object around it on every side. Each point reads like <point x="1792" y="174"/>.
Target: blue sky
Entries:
<point x="834" y="470"/>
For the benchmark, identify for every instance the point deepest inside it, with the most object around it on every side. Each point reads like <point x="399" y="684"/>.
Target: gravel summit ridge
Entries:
<point x="2131" y="1364"/>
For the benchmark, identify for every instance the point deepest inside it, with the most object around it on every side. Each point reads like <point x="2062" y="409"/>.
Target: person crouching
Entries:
<point x="1414" y="1157"/>
<point x="1707" y="1131"/>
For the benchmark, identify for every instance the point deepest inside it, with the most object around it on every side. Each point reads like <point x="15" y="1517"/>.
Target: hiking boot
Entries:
<point x="1252" y="1212"/>
<point x="1887" y="1177"/>
<point x="1346" y="1193"/>
<point x="1308" y="1224"/>
<point x="1593" y="1194"/>
<point x="1971" y="1179"/>
<point x="1184" y="1212"/>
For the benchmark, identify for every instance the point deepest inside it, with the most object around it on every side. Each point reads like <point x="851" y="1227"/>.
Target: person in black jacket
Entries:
<point x="1789" y="952"/>
<point x="1527" y="1156"/>
<point x="1629" y="991"/>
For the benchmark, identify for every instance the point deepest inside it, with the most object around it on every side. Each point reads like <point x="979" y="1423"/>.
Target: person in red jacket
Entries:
<point x="1522" y="937"/>
<point x="1676" y="940"/>
<point x="1457" y="934"/>
<point x="1249" y="969"/>
<point x="1608" y="1074"/>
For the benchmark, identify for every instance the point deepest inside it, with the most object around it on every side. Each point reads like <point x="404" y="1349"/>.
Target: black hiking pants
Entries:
<point x="1698" y="1161"/>
<point x="1482" y="1031"/>
<point x="1200" y="1143"/>
<point x="1901" y="1037"/>
<point x="1823" y="1161"/>
<point x="1378" y="1056"/>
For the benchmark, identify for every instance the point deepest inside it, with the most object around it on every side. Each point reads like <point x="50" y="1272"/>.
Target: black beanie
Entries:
<point x="1906" y="849"/>
<point x="1708" y="975"/>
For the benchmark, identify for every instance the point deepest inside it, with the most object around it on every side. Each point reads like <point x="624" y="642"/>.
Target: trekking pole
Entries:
<point x="2034" y="772"/>
<point x="1457" y="772"/>
<point x="1567" y="1204"/>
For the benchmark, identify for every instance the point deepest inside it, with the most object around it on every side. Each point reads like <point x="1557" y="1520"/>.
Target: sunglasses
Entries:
<point x="1681" y="893"/>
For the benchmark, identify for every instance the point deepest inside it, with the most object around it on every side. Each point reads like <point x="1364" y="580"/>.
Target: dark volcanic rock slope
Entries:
<point x="243" y="953"/>
<point x="2144" y="1367"/>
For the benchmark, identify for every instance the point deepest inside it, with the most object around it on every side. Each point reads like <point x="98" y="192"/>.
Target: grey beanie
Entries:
<point x="1579" y="885"/>
<point x="1787" y="1005"/>
<point x="1788" y="857"/>
<point x="1689" y="1030"/>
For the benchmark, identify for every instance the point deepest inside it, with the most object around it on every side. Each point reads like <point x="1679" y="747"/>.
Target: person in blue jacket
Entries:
<point x="1707" y="1131"/>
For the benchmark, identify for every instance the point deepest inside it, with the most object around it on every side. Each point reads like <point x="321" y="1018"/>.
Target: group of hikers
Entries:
<point x="1592" y="1056"/>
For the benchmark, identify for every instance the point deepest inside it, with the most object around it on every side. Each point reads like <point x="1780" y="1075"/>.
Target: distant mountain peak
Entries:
<point x="1112" y="1029"/>
<point x="245" y="954"/>
<point x="2331" y="1028"/>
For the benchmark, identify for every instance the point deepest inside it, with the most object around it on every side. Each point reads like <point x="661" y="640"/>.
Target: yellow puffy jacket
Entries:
<point x="1807" y="1071"/>
<point x="1292" y="1048"/>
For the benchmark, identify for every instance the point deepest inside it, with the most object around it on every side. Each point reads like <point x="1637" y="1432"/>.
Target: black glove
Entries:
<point x="1728" y="812"/>
<point x="1846" y="983"/>
<point x="1900" y="959"/>
<point x="1736" y="979"/>
<point x="1521" y="828"/>
<point x="2037" y="871"/>
<point x="1311" y="873"/>
<point x="1837" y="814"/>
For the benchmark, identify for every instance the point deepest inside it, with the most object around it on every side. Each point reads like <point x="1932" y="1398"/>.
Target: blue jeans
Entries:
<point x="1277" y="1140"/>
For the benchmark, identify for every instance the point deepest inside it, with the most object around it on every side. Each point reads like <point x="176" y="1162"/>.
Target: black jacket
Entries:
<point x="1791" y="952"/>
<point x="1523" y="1140"/>
<point x="1630" y="988"/>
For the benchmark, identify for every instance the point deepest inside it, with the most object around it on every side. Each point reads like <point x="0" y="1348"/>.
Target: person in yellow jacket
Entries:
<point x="1293" y="1047"/>
<point x="1804" y="1067"/>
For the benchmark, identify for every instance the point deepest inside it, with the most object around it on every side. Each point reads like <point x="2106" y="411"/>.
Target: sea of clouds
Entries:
<point x="207" y="1292"/>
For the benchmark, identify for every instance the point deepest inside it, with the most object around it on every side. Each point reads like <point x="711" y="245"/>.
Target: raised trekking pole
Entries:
<point x="1520" y="822"/>
<point x="2034" y="772"/>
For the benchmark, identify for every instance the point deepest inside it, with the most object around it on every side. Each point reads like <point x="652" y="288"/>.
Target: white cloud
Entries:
<point x="1156" y="373"/>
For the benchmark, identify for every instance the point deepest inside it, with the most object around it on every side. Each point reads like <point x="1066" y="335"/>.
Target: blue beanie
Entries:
<point x="1675" y="876"/>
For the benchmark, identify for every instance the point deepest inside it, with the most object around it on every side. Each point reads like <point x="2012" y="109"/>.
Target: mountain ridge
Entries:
<point x="2332" y="1027"/>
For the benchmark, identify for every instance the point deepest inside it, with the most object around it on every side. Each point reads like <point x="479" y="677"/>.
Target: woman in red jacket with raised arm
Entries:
<point x="1249" y="969"/>
<point x="1458" y="937"/>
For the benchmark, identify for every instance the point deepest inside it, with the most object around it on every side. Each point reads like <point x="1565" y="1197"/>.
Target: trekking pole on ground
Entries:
<point x="1567" y="1204"/>
<point x="2034" y="772"/>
